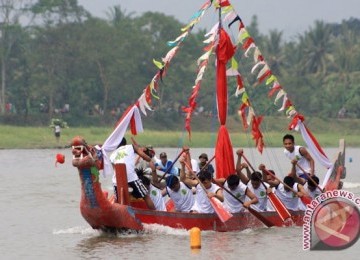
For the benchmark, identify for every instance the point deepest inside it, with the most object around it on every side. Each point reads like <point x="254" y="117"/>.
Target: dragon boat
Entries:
<point x="103" y="213"/>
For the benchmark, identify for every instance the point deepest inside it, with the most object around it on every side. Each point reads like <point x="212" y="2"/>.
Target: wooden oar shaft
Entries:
<point x="265" y="221"/>
<point x="248" y="163"/>
<point x="207" y="163"/>
<point x="170" y="167"/>
<point x="222" y="213"/>
<point x="310" y="178"/>
<point x="196" y="177"/>
<point x="274" y="200"/>
<point x="283" y="183"/>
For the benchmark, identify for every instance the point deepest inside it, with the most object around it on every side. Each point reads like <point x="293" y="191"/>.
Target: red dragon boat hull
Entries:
<point x="105" y="214"/>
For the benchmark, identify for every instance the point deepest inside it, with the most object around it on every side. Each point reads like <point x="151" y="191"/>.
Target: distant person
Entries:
<point x="299" y="156"/>
<point x="203" y="158"/>
<point x="57" y="132"/>
<point x="166" y="165"/>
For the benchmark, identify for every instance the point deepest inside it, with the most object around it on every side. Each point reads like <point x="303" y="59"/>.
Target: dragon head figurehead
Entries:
<point x="85" y="155"/>
<point x="79" y="147"/>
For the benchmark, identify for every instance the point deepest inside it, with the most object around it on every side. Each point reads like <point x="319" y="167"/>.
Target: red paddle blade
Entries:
<point x="170" y="206"/>
<point x="264" y="220"/>
<point x="306" y="200"/>
<point x="279" y="206"/>
<point x="221" y="212"/>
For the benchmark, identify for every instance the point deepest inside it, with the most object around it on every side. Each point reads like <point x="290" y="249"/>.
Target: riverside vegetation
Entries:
<point x="328" y="133"/>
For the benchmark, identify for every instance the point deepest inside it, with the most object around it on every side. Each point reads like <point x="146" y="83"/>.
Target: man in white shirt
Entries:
<point x="302" y="162"/>
<point x="126" y="154"/>
<point x="180" y="193"/>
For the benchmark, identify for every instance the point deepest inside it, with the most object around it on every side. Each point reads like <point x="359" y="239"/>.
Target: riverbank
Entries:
<point x="43" y="137"/>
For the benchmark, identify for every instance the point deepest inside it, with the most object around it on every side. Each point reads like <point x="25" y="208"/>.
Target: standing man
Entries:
<point x="126" y="154"/>
<point x="57" y="132"/>
<point x="299" y="156"/>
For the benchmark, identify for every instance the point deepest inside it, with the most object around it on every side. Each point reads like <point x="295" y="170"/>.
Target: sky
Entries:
<point x="290" y="17"/>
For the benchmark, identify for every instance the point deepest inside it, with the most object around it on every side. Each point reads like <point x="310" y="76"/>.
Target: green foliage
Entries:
<point x="56" y="121"/>
<point x="100" y="66"/>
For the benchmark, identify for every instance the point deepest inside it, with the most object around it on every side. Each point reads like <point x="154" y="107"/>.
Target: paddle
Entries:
<point x="311" y="179"/>
<point x="206" y="164"/>
<point x="277" y="204"/>
<point x="222" y="213"/>
<point x="264" y="220"/>
<point x="305" y="199"/>
<point x="169" y="168"/>
<point x="170" y="205"/>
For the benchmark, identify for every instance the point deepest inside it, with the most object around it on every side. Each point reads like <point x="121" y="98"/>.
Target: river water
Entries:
<point x="40" y="217"/>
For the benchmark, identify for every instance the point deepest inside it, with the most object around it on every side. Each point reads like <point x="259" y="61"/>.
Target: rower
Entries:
<point x="180" y="193"/>
<point x="238" y="189"/>
<point x="253" y="183"/>
<point x="154" y="193"/>
<point x="311" y="188"/>
<point x="286" y="195"/>
<point x="202" y="203"/>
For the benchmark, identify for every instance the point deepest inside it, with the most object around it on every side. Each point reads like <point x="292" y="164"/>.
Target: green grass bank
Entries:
<point x="327" y="132"/>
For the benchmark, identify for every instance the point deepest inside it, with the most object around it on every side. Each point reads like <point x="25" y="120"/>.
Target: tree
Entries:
<point x="11" y="11"/>
<point x="318" y="49"/>
<point x="54" y="53"/>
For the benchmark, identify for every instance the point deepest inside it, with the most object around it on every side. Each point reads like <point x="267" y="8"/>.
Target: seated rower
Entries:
<point x="286" y="195"/>
<point x="144" y="165"/>
<point x="186" y="157"/>
<point x="202" y="197"/>
<point x="238" y="189"/>
<point x="311" y="188"/>
<point x="253" y="182"/>
<point x="260" y="191"/>
<point x="154" y="193"/>
<point x="180" y="193"/>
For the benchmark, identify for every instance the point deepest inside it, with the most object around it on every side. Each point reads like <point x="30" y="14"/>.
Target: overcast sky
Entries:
<point x="291" y="17"/>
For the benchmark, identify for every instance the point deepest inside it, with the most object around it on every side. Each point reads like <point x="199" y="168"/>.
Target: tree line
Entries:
<point x="57" y="60"/>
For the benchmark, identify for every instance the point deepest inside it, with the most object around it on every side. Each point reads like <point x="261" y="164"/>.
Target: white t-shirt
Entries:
<point x="230" y="203"/>
<point x="260" y="193"/>
<point x="312" y="194"/>
<point x="183" y="199"/>
<point x="57" y="129"/>
<point x="302" y="161"/>
<point x="157" y="198"/>
<point x="202" y="202"/>
<point x="125" y="154"/>
<point x="290" y="200"/>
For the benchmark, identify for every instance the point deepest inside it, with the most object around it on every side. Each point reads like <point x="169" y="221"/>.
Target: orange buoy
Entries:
<point x="195" y="238"/>
<point x="60" y="158"/>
